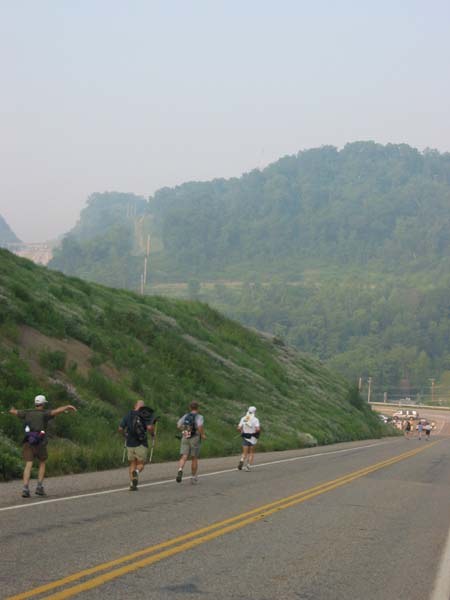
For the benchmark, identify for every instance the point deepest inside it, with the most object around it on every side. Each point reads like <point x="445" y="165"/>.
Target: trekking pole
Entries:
<point x="153" y="444"/>
<point x="124" y="448"/>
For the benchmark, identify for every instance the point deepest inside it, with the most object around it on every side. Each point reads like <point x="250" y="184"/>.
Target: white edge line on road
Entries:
<point x="441" y="588"/>
<point x="164" y="481"/>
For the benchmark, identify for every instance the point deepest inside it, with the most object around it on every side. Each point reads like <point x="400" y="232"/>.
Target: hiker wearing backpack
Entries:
<point x="249" y="429"/>
<point x="35" y="440"/>
<point x="192" y="432"/>
<point x="136" y="425"/>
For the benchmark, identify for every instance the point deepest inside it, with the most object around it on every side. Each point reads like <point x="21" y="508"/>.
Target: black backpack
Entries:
<point x="137" y="427"/>
<point x="189" y="423"/>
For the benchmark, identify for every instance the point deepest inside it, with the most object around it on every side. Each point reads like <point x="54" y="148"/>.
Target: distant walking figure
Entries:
<point x="192" y="430"/>
<point x="427" y="431"/>
<point x="420" y="429"/>
<point x="249" y="429"/>
<point x="407" y="429"/>
<point x="35" y="440"/>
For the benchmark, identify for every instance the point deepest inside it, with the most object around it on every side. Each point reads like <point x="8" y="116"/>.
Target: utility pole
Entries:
<point x="432" y="379"/>
<point x="142" y="284"/>
<point x="146" y="257"/>
<point x="360" y="384"/>
<point x="385" y="397"/>
<point x="369" y="390"/>
<point x="145" y="271"/>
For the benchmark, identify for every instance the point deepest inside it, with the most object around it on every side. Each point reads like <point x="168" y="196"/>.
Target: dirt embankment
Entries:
<point x="33" y="342"/>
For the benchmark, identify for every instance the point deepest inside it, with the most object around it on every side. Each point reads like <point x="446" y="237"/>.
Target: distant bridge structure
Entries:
<point x="39" y="252"/>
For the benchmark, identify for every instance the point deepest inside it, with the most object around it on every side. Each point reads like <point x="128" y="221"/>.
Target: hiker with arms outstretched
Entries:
<point x="192" y="430"/>
<point x="35" y="440"/>
<point x="135" y="425"/>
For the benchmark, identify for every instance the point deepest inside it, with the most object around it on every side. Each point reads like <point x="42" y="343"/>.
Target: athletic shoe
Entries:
<point x="135" y="479"/>
<point x="194" y="479"/>
<point x="132" y="488"/>
<point x="179" y="475"/>
<point x="247" y="467"/>
<point x="25" y="493"/>
<point x="40" y="490"/>
<point x="240" y="465"/>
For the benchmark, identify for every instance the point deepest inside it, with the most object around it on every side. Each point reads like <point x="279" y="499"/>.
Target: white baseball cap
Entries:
<point x="251" y="409"/>
<point x="40" y="400"/>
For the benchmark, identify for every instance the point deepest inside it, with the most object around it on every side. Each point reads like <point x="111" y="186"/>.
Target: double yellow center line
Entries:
<point x="152" y="554"/>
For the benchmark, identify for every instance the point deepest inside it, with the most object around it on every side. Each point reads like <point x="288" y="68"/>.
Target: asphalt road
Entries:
<point x="365" y="520"/>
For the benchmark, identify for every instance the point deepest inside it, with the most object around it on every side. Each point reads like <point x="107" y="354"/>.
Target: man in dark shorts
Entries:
<point x="135" y="425"/>
<point x="35" y="441"/>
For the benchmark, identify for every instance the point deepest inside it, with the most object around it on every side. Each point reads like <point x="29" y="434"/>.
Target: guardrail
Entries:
<point x="413" y="406"/>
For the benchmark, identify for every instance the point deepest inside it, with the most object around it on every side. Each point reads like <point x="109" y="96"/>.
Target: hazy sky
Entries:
<point x="133" y="95"/>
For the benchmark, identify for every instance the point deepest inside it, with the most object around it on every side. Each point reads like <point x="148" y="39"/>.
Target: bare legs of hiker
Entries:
<point x="247" y="456"/>
<point x="135" y="468"/>
<point x="27" y="477"/>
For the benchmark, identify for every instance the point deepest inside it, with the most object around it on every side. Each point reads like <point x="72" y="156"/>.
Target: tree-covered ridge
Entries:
<point x="104" y="244"/>
<point x="343" y="253"/>
<point x="367" y="204"/>
<point x="105" y="211"/>
<point x="393" y="329"/>
<point x="7" y="235"/>
<point x="101" y="349"/>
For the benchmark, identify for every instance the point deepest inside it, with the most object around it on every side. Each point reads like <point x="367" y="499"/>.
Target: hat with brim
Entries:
<point x="40" y="400"/>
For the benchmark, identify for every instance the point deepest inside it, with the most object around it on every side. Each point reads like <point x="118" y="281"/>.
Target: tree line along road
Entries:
<point x="363" y="519"/>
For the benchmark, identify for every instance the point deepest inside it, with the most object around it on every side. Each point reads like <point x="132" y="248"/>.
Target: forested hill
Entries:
<point x="343" y="253"/>
<point x="385" y="207"/>
<point x="382" y="206"/>
<point x="7" y="235"/>
<point x="102" y="349"/>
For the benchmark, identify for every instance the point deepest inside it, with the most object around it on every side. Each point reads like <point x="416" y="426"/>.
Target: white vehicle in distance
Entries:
<point x="412" y="414"/>
<point x="400" y="414"/>
<point x="406" y="414"/>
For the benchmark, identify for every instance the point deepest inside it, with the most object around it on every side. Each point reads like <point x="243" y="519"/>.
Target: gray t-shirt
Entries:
<point x="198" y="421"/>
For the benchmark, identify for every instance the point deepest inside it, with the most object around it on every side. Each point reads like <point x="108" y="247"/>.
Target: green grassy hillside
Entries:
<point x="101" y="349"/>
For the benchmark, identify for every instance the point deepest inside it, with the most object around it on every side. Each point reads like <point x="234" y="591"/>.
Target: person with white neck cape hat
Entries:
<point x="249" y="429"/>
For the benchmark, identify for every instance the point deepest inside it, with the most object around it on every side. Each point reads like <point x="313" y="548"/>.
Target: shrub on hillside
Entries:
<point x="10" y="459"/>
<point x="52" y="360"/>
<point x="355" y="399"/>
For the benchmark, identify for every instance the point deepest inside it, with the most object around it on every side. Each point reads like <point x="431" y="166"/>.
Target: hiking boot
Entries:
<point x="179" y="475"/>
<point x="25" y="493"/>
<point x="240" y="465"/>
<point x="40" y="491"/>
<point x="132" y="488"/>
<point x="135" y="479"/>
